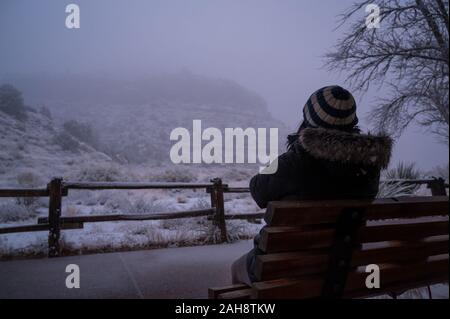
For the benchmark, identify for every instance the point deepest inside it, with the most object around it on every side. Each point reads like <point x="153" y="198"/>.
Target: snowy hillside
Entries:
<point x="38" y="147"/>
<point x="133" y="119"/>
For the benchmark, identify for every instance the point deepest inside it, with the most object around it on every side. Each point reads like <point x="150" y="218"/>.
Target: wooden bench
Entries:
<point x="321" y="248"/>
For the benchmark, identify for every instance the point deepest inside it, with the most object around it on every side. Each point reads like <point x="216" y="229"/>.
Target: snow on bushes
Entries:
<point x="100" y="172"/>
<point x="12" y="211"/>
<point x="173" y="175"/>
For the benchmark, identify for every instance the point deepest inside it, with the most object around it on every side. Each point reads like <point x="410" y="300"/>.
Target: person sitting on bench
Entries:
<point x="328" y="158"/>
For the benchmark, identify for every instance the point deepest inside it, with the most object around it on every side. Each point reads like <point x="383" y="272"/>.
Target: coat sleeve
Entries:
<point x="259" y="188"/>
<point x="270" y="187"/>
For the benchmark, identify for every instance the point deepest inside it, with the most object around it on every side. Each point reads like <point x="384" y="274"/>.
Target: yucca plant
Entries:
<point x="403" y="171"/>
<point x="395" y="189"/>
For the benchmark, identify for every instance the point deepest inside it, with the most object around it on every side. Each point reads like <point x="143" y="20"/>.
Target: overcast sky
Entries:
<point x="273" y="47"/>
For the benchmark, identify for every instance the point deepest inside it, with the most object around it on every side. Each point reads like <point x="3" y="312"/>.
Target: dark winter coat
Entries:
<point x="323" y="164"/>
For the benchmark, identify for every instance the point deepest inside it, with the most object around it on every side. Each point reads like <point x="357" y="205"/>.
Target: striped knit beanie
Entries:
<point x="331" y="107"/>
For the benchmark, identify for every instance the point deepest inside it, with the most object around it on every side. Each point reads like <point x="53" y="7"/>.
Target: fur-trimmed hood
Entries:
<point x="344" y="147"/>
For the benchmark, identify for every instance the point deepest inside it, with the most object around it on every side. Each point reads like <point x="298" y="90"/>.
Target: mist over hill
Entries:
<point x="132" y="118"/>
<point x="183" y="86"/>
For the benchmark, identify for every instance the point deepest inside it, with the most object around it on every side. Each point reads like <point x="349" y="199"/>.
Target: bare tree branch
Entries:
<point x="409" y="54"/>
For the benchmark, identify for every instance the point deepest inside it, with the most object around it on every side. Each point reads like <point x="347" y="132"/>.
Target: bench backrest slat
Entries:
<point x="278" y="239"/>
<point x="288" y="264"/>
<point x="321" y="212"/>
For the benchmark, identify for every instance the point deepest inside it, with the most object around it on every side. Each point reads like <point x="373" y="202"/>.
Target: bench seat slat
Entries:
<point x="214" y="292"/>
<point x="280" y="265"/>
<point x="411" y="276"/>
<point x="236" y="294"/>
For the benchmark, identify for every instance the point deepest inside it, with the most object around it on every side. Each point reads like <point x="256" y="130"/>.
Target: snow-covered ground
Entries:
<point x="110" y="236"/>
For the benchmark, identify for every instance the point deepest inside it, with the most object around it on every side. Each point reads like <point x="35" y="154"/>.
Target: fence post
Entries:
<point x="54" y="214"/>
<point x="212" y="192"/>
<point x="219" y="205"/>
<point x="437" y="186"/>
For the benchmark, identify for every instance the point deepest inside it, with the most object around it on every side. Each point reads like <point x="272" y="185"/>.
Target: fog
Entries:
<point x="272" y="47"/>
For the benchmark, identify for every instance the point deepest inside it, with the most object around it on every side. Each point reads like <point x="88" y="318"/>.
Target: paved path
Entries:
<point x="161" y="273"/>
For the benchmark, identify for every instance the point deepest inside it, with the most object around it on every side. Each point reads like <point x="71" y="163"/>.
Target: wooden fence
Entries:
<point x="57" y="189"/>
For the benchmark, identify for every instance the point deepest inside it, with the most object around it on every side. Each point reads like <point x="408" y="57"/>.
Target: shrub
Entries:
<point x="13" y="212"/>
<point x="11" y="102"/>
<point x="82" y="131"/>
<point x="403" y="171"/>
<point x="106" y="172"/>
<point x="71" y="211"/>
<point x="67" y="142"/>
<point x="46" y="112"/>
<point x="201" y="203"/>
<point x="190" y="223"/>
<point x="28" y="180"/>
<point x="174" y="175"/>
<point x="142" y="206"/>
<point x="396" y="189"/>
<point x="237" y="175"/>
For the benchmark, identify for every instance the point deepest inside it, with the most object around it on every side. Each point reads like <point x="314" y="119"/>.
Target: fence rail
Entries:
<point x="126" y="217"/>
<point x="124" y="185"/>
<point x="57" y="189"/>
<point x="23" y="192"/>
